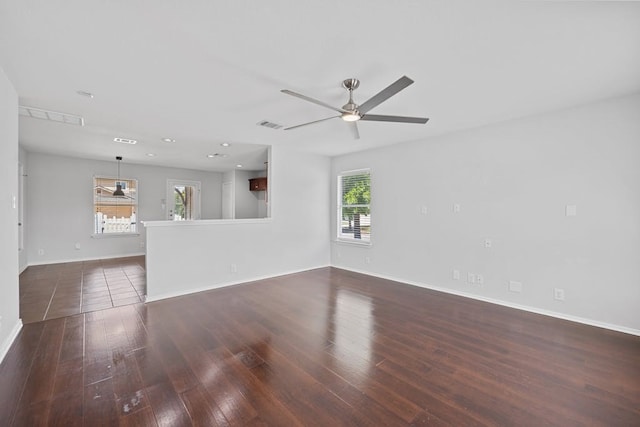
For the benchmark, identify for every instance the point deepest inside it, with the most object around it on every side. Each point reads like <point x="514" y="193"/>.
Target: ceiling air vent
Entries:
<point x="125" y="140"/>
<point x="53" y="116"/>
<point x="269" y="124"/>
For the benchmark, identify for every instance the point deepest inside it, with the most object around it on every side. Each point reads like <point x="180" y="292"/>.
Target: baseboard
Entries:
<point x="530" y="309"/>
<point x="209" y="287"/>
<point x="6" y="344"/>
<point x="62" y="261"/>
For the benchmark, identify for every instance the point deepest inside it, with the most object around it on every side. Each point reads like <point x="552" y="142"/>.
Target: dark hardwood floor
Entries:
<point x="325" y="347"/>
<point x="57" y="290"/>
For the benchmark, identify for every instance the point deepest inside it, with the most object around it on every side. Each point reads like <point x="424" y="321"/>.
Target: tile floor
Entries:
<point x="58" y="290"/>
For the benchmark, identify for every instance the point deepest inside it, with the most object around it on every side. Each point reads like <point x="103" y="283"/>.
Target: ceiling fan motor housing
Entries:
<point x="350" y="85"/>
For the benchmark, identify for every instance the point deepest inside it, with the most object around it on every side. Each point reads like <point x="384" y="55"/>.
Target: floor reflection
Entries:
<point x="352" y="322"/>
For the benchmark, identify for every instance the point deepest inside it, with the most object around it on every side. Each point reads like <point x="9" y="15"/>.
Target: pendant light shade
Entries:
<point x="118" y="192"/>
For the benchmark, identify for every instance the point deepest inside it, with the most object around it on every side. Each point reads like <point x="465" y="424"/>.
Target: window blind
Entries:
<point x="354" y="206"/>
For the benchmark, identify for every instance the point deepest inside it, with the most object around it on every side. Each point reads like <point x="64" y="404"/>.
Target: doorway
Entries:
<point x="183" y="200"/>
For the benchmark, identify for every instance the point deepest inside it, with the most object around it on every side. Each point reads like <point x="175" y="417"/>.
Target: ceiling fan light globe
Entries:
<point x="351" y="117"/>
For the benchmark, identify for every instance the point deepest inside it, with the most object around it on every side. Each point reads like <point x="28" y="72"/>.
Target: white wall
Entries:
<point x="513" y="182"/>
<point x="9" y="321"/>
<point x="60" y="205"/>
<point x="294" y="239"/>
<point x="249" y="204"/>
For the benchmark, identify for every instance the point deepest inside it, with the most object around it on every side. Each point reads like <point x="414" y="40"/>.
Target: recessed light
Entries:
<point x="225" y="144"/>
<point x="125" y="140"/>
<point x="168" y="140"/>
<point x="217" y="155"/>
<point x="150" y="155"/>
<point x="211" y="156"/>
<point x="85" y="93"/>
<point x="238" y="166"/>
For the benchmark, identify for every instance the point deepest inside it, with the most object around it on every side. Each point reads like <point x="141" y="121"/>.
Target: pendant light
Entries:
<point x="118" y="192"/>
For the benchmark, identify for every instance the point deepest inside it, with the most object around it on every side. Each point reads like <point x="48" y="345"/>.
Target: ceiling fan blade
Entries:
<point x="400" y="119"/>
<point x="354" y="129"/>
<point x="315" y="101"/>
<point x="310" y="123"/>
<point x="385" y="94"/>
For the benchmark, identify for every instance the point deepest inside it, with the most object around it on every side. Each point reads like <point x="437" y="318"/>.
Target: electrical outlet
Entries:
<point x="479" y="279"/>
<point x="558" y="294"/>
<point x="515" y="286"/>
<point x="423" y="210"/>
<point x="234" y="268"/>
<point x="456" y="207"/>
<point x="487" y="243"/>
<point x="456" y="274"/>
<point x="471" y="278"/>
<point x="571" y="210"/>
<point x="367" y="260"/>
<point x="142" y="244"/>
<point x="40" y="252"/>
<point x="77" y="246"/>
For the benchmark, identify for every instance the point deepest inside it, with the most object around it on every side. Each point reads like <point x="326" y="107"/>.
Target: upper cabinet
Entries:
<point x="258" y="184"/>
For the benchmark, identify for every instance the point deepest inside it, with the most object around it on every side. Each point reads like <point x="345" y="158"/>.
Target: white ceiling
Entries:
<point x="205" y="72"/>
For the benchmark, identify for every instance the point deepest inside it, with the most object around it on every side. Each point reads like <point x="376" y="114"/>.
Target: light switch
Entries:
<point x="572" y="210"/>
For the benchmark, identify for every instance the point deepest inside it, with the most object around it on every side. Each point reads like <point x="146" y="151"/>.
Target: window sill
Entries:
<point x="110" y="235"/>
<point x="352" y="242"/>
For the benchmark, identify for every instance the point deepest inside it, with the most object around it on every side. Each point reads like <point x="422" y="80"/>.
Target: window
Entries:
<point x="354" y="206"/>
<point x="114" y="214"/>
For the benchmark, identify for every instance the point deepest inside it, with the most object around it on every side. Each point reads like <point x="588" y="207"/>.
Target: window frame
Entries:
<point x="340" y="236"/>
<point x="134" y="206"/>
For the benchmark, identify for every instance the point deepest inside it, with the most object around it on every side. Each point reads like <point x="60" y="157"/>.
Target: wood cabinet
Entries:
<point x="258" y="184"/>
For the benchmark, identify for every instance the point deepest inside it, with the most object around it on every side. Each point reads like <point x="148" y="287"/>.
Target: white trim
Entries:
<point x="110" y="235"/>
<point x="209" y="287"/>
<point x="60" y="261"/>
<point x="353" y="242"/>
<point x="6" y="344"/>
<point x="168" y="223"/>
<point x="585" y="321"/>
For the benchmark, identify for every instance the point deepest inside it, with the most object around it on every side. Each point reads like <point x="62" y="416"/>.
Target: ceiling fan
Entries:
<point x="352" y="112"/>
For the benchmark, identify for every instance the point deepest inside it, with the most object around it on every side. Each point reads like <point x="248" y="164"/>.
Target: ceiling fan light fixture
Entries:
<point x="351" y="116"/>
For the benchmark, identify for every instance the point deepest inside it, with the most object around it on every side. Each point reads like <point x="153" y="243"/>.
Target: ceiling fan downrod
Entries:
<point x="352" y="114"/>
